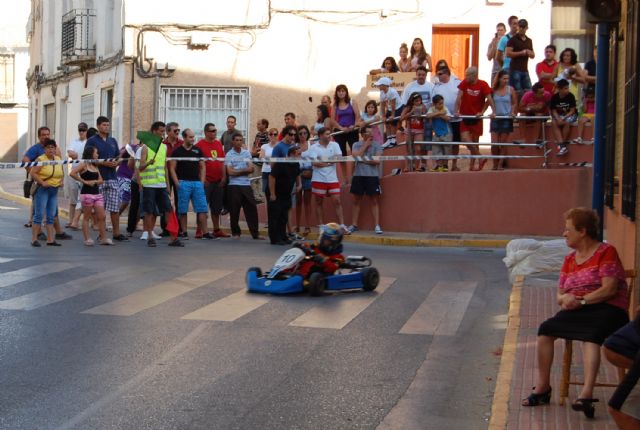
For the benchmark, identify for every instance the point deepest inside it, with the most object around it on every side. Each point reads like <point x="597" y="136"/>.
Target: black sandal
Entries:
<point x="538" y="399"/>
<point x="586" y="406"/>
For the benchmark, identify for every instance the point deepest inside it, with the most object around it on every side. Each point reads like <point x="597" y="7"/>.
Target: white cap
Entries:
<point x="383" y="81"/>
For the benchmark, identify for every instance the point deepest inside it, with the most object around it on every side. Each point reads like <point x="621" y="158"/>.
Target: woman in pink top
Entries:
<point x="404" y="64"/>
<point x="592" y="295"/>
<point x="419" y="56"/>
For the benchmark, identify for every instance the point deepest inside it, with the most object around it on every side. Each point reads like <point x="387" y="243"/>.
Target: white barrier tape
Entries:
<point x="577" y="164"/>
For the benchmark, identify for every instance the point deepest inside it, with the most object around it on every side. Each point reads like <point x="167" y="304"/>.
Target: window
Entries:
<point x="7" y="77"/>
<point x="50" y="118"/>
<point x="570" y="29"/>
<point x="106" y="102"/>
<point x="86" y="110"/>
<point x="610" y="123"/>
<point x="194" y="107"/>
<point x="630" y="139"/>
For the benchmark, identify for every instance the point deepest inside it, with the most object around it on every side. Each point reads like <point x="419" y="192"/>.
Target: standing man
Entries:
<point x="215" y="180"/>
<point x="501" y="30"/>
<point x="289" y="121"/>
<point x="289" y="133"/>
<point x="108" y="149"/>
<point x="366" y="178"/>
<point x="474" y="96"/>
<point x="155" y="183"/>
<point x="188" y="177"/>
<point x="324" y="181"/>
<point x="282" y="178"/>
<point x="501" y="58"/>
<point x="32" y="154"/>
<point x="447" y="87"/>
<point x="72" y="188"/>
<point x="239" y="192"/>
<point x="173" y="141"/>
<point x="520" y="49"/>
<point x="546" y="69"/>
<point x="227" y="136"/>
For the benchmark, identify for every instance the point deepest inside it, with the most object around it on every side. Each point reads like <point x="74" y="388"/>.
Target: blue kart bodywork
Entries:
<point x="295" y="283"/>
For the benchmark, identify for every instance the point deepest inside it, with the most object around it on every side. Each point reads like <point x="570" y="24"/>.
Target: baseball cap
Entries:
<point x="383" y="81"/>
<point x="83" y="126"/>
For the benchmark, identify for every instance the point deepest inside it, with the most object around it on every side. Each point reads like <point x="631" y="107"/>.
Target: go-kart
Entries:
<point x="283" y="278"/>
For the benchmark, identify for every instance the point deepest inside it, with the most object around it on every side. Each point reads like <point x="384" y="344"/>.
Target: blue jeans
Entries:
<point x="45" y="203"/>
<point x="192" y="191"/>
<point x="520" y="81"/>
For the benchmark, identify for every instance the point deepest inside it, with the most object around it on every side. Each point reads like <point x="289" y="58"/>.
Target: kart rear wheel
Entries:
<point x="370" y="278"/>
<point x="257" y="270"/>
<point x="316" y="284"/>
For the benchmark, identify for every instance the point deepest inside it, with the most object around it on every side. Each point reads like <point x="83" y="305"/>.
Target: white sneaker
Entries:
<point x="378" y="230"/>
<point x="345" y="229"/>
<point x="145" y="235"/>
<point x="156" y="236"/>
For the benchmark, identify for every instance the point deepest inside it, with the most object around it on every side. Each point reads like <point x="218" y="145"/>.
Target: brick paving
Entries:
<point x="537" y="304"/>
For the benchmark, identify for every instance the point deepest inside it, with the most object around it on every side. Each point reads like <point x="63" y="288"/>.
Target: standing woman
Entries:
<point x="90" y="197"/>
<point x="303" y="197"/>
<point x="347" y="115"/>
<point x="501" y="30"/>
<point x="323" y="119"/>
<point x="419" y="56"/>
<point x="568" y="68"/>
<point x="47" y="180"/>
<point x="404" y="64"/>
<point x="265" y="151"/>
<point x="505" y="99"/>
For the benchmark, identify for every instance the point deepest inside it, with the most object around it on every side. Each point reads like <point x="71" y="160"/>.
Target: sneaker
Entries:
<point x="377" y="230"/>
<point x="220" y="233"/>
<point x="176" y="243"/>
<point x="208" y="236"/>
<point x="353" y="228"/>
<point x="563" y="150"/>
<point x="54" y="243"/>
<point x="151" y="243"/>
<point x="578" y="140"/>
<point x="63" y="236"/>
<point x="107" y="242"/>
<point x="345" y="229"/>
<point x="444" y="169"/>
<point x="121" y="238"/>
<point x="155" y="236"/>
<point x="36" y="244"/>
<point x="144" y="235"/>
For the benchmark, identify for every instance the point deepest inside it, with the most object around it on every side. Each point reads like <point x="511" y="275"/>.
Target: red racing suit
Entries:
<point x="327" y="263"/>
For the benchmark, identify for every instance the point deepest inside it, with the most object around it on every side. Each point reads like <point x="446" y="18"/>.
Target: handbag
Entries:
<point x="26" y="188"/>
<point x="34" y="185"/>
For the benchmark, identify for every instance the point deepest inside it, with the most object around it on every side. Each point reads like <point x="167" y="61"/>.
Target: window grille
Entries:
<point x="77" y="37"/>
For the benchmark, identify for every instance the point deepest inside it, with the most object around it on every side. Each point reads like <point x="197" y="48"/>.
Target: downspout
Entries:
<point x="599" y="129"/>
<point x="156" y="95"/>
<point x="132" y="102"/>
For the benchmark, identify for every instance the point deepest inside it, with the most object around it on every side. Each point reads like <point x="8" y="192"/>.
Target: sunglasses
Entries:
<point x="292" y="134"/>
<point x="177" y="130"/>
<point x="273" y="134"/>
<point x="213" y="130"/>
<point x="82" y="129"/>
<point x="304" y="132"/>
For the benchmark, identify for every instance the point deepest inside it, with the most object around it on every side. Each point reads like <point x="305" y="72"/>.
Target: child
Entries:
<point x="370" y="115"/>
<point x="327" y="252"/>
<point x="563" y="114"/>
<point x="413" y="114"/>
<point x="89" y="176"/>
<point x="440" y="115"/>
<point x="390" y="107"/>
<point x="588" y="114"/>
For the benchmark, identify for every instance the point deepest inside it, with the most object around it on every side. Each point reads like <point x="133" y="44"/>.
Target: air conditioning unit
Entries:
<point x="78" y="46"/>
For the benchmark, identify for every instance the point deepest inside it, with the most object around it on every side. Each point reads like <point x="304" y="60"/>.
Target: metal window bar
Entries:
<point x="192" y="107"/>
<point x="77" y="29"/>
<point x="7" y="77"/>
<point x="610" y="133"/>
<point x="629" y="163"/>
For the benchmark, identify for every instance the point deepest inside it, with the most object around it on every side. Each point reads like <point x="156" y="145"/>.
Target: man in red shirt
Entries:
<point x="173" y="141"/>
<point x="474" y="96"/>
<point x="546" y="68"/>
<point x="215" y="179"/>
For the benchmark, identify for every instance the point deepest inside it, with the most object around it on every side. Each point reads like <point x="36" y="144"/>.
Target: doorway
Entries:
<point x="458" y="45"/>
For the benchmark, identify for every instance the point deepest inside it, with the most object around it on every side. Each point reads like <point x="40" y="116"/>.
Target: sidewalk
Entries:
<point x="11" y="189"/>
<point x="532" y="301"/>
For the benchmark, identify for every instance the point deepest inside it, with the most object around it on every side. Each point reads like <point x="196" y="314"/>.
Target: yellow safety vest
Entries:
<point x="154" y="173"/>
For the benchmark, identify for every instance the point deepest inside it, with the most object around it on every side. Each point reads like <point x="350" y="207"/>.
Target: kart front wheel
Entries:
<point x="370" y="278"/>
<point x="257" y="270"/>
<point x="316" y="284"/>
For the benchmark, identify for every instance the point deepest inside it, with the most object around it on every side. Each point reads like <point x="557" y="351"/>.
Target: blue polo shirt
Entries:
<point x="34" y="152"/>
<point x="281" y="149"/>
<point x="238" y="160"/>
<point x="106" y="149"/>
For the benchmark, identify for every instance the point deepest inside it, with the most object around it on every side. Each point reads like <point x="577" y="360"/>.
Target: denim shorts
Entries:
<point x="191" y="191"/>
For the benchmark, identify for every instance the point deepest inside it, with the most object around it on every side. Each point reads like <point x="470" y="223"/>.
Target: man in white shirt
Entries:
<point x="425" y="89"/>
<point x="72" y="188"/>
<point x="324" y="181"/>
<point x="447" y="87"/>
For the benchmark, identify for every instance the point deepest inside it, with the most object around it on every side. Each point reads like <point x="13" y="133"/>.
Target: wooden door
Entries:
<point x="458" y="45"/>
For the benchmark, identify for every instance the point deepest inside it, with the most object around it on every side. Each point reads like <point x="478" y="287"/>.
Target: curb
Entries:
<point x="365" y="240"/>
<point x="501" y="396"/>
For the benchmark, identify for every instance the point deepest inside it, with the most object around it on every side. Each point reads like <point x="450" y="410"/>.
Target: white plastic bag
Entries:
<point x="527" y="256"/>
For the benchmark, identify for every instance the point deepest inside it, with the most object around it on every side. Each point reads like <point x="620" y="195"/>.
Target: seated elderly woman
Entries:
<point x="592" y="295"/>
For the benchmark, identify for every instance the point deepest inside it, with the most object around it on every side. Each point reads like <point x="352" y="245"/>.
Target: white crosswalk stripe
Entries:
<point x="5" y="260"/>
<point x="8" y="279"/>
<point x="153" y="296"/>
<point x="229" y="308"/>
<point x="442" y="311"/>
<point x="57" y="293"/>
<point x="337" y="310"/>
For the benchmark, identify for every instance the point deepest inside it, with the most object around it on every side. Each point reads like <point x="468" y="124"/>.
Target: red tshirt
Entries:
<point x="214" y="168"/>
<point x="473" y="96"/>
<point x="170" y="148"/>
<point x="544" y="67"/>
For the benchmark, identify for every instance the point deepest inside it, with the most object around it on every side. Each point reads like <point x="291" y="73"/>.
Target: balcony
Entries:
<point x="78" y="47"/>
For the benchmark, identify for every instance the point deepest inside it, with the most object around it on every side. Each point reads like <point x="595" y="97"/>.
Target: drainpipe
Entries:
<point x="156" y="96"/>
<point x="132" y="102"/>
<point x="599" y="129"/>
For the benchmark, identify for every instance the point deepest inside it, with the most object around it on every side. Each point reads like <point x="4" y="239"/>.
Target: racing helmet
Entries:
<point x="331" y="239"/>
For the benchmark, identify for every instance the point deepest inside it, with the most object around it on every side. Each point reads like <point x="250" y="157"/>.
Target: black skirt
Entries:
<point x="589" y="323"/>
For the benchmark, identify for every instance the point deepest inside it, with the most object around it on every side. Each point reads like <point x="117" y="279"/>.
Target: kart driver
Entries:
<point x="327" y="253"/>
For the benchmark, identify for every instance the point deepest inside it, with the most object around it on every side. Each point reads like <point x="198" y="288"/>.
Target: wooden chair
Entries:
<point x="565" y="381"/>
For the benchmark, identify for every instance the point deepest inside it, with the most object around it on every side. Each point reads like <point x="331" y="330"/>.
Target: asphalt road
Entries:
<point x="128" y="337"/>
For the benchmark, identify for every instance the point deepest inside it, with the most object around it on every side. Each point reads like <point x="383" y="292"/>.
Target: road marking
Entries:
<point x="442" y="311"/>
<point x="229" y="308"/>
<point x="153" y="296"/>
<point x="8" y="208"/>
<point x="70" y="289"/>
<point x="338" y="310"/>
<point x="10" y="278"/>
<point x="5" y="260"/>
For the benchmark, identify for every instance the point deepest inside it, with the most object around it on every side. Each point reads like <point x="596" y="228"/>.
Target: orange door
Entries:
<point x="458" y="45"/>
